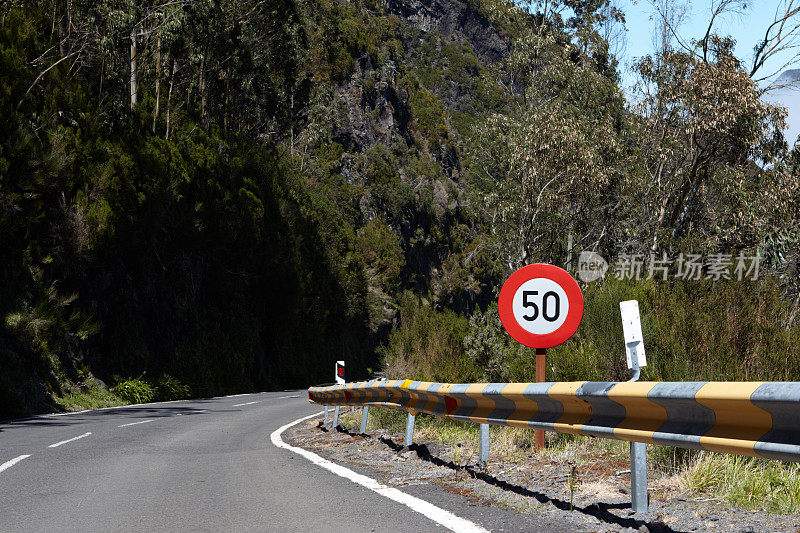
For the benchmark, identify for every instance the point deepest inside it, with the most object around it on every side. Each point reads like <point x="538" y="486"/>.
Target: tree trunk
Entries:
<point x="569" y="248"/>
<point x="158" y="83"/>
<point x="102" y="77"/>
<point x="202" y="87"/>
<point x="134" y="82"/>
<point x="686" y="208"/>
<point x="291" y="123"/>
<point x="169" y="94"/>
<point x="227" y="104"/>
<point x="63" y="26"/>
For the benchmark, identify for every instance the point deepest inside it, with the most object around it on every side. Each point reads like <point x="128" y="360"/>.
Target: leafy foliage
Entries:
<point x="231" y="195"/>
<point x="135" y="391"/>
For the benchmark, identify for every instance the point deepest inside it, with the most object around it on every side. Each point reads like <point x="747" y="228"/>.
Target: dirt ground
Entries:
<point x="595" y="496"/>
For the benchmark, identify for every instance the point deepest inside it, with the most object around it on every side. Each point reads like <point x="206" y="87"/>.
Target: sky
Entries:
<point x="746" y="30"/>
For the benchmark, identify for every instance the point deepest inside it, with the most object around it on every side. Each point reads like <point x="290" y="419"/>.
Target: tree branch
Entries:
<point x="40" y="76"/>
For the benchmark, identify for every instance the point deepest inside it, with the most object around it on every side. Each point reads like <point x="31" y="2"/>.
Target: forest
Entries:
<point x="204" y="197"/>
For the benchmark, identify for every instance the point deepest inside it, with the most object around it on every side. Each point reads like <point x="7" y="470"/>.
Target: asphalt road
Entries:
<point x="204" y="465"/>
<point x="201" y="465"/>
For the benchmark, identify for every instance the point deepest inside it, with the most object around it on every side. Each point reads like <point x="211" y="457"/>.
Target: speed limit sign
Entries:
<point x="540" y="305"/>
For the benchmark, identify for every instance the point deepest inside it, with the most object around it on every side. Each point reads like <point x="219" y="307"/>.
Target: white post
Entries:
<point x="634" y="347"/>
<point x="364" y="414"/>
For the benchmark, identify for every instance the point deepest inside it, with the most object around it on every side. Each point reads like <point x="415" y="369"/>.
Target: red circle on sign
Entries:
<point x="561" y="277"/>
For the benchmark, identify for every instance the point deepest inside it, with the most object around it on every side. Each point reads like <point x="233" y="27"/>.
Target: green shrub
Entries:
<point x="693" y="330"/>
<point x="168" y="388"/>
<point x="381" y="251"/>
<point x="427" y="345"/>
<point x="135" y="391"/>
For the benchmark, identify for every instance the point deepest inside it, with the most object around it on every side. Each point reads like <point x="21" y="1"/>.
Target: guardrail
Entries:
<point x="760" y="419"/>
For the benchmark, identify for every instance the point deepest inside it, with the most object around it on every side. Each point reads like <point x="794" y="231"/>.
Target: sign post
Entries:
<point x="540" y="306"/>
<point x="541" y="366"/>
<point x="338" y="374"/>
<point x="634" y="350"/>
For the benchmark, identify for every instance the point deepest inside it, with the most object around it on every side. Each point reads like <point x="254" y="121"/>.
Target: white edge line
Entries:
<point x="134" y="423"/>
<point x="445" y="518"/>
<point x="70" y="440"/>
<point x="12" y="462"/>
<point x="128" y="406"/>
<point x="241" y="404"/>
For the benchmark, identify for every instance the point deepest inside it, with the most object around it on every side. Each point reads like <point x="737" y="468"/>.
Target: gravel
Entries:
<point x="600" y="502"/>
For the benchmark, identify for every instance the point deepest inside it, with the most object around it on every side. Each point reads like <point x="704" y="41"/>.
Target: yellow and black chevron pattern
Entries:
<point x="761" y="419"/>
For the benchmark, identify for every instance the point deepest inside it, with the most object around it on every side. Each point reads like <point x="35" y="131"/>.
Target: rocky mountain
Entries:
<point x="415" y="77"/>
<point x="454" y="20"/>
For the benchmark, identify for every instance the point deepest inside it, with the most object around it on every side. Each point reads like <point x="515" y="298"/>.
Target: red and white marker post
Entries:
<point x="339" y="373"/>
<point x="540" y="306"/>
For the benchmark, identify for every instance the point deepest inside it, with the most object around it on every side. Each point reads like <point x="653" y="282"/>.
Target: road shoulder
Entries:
<point x="532" y="495"/>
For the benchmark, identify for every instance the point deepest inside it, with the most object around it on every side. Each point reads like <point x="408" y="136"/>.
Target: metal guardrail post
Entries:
<point x="326" y="416"/>
<point x="364" y="414"/>
<point x="336" y="416"/>
<point x="639" y="503"/>
<point x="483" y="445"/>
<point x="409" y="430"/>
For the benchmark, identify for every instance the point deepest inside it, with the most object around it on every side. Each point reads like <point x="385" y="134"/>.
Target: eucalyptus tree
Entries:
<point x="708" y="140"/>
<point x="544" y="170"/>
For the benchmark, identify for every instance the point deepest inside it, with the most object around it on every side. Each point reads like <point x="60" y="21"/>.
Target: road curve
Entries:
<point x="199" y="465"/>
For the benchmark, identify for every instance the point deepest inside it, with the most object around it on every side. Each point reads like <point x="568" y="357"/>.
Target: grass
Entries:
<point x="745" y="481"/>
<point x="88" y="395"/>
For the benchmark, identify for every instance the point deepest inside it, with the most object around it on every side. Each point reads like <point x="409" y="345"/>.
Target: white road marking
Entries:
<point x="57" y="444"/>
<point x="284" y="397"/>
<point x="248" y="403"/>
<point x="134" y="423"/>
<point x="437" y="514"/>
<point x="123" y="407"/>
<point x="12" y="462"/>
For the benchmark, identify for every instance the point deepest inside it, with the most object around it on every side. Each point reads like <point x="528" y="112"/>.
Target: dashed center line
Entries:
<point x="284" y="397"/>
<point x="57" y="444"/>
<point x="134" y="423"/>
<point x="12" y="462"/>
<point x="248" y="403"/>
